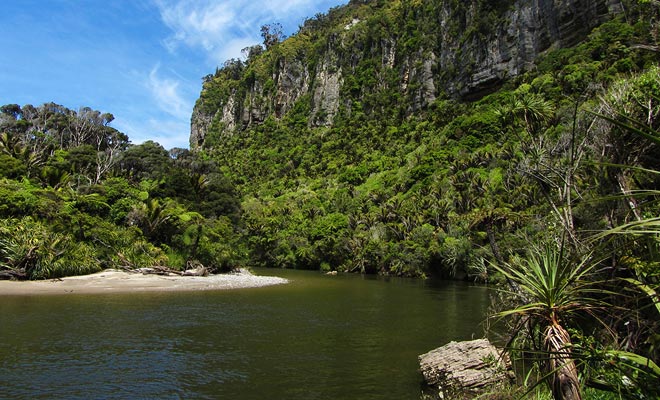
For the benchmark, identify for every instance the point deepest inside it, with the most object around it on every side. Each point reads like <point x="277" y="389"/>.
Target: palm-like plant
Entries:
<point x="631" y="111"/>
<point x="550" y="288"/>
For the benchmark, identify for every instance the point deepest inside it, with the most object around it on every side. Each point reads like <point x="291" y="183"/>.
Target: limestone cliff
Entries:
<point x="367" y="56"/>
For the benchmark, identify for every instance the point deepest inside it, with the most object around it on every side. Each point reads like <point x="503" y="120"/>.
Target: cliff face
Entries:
<point x="408" y="54"/>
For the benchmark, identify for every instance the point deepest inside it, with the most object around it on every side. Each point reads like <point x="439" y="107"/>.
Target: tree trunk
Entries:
<point x="625" y="191"/>
<point x="493" y="243"/>
<point x="564" y="381"/>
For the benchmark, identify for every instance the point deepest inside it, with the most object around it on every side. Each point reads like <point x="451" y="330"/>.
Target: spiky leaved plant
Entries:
<point x="549" y="287"/>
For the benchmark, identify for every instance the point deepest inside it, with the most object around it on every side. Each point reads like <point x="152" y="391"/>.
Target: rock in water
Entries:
<point x="469" y="367"/>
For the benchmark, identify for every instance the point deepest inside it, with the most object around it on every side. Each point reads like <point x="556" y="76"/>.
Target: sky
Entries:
<point x="141" y="60"/>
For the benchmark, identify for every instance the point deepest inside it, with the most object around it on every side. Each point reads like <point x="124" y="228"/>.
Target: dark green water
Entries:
<point x="319" y="337"/>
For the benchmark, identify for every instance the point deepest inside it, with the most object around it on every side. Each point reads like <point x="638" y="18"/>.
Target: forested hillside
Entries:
<point x="423" y="137"/>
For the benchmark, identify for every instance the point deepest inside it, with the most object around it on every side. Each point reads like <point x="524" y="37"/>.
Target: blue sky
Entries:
<point x="141" y="60"/>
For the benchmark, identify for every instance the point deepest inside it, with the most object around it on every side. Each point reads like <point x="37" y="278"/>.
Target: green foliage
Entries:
<point x="550" y="284"/>
<point x="148" y="160"/>
<point x="11" y="167"/>
<point x="219" y="248"/>
<point x="388" y="183"/>
<point x="130" y="250"/>
<point x="75" y="198"/>
<point x="17" y="198"/>
<point x="398" y="180"/>
<point x="30" y="249"/>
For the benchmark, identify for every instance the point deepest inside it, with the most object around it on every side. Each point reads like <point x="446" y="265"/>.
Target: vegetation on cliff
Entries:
<point x="393" y="186"/>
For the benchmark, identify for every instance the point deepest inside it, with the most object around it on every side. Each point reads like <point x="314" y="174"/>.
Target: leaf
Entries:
<point x="646" y="289"/>
<point x="629" y="126"/>
<point x="189" y="216"/>
<point x="641" y="363"/>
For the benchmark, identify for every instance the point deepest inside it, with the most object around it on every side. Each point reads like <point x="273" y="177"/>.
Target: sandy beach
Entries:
<point x="114" y="281"/>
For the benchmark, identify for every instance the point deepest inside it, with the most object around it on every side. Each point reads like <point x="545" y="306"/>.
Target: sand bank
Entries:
<point x="113" y="281"/>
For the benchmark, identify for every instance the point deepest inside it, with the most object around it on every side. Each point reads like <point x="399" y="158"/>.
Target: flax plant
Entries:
<point x="549" y="288"/>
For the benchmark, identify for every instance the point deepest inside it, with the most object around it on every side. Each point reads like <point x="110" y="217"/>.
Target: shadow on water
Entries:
<point x="318" y="337"/>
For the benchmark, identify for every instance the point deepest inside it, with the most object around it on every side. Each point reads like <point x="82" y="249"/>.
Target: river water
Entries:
<point x="319" y="337"/>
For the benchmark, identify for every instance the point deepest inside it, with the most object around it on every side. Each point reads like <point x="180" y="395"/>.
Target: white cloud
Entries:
<point x="209" y="25"/>
<point x="220" y="27"/>
<point x="165" y="92"/>
<point x="161" y="111"/>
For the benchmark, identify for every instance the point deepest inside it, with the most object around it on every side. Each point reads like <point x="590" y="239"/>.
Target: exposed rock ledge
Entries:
<point x="114" y="281"/>
<point x="464" y="368"/>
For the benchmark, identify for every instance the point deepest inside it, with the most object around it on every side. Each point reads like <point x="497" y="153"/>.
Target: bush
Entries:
<point x="30" y="248"/>
<point x="16" y="199"/>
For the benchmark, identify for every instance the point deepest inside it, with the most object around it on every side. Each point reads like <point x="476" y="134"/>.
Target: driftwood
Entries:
<point x="192" y="269"/>
<point x="464" y="368"/>
<point x="197" y="270"/>
<point x="200" y="270"/>
<point x="13" y="275"/>
<point x="158" y="270"/>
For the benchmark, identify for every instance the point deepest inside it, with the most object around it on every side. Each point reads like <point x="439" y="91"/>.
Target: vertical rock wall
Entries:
<point x="456" y="63"/>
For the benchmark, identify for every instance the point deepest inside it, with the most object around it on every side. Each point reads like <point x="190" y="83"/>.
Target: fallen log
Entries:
<point x="13" y="275"/>
<point x="158" y="270"/>
<point x="467" y="368"/>
<point x="200" y="270"/>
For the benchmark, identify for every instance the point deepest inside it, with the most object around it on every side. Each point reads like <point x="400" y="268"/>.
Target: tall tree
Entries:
<point x="272" y="34"/>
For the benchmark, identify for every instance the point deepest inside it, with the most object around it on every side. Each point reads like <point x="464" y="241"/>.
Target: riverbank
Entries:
<point x="114" y="281"/>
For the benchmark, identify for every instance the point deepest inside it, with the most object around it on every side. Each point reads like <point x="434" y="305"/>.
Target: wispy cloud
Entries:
<point x="205" y="25"/>
<point x="223" y="28"/>
<point x="161" y="111"/>
<point x="166" y="93"/>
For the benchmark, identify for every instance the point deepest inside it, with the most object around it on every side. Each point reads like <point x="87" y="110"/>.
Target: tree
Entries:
<point x="272" y="34"/>
<point x="251" y="52"/>
<point x="109" y="145"/>
<point x="86" y="126"/>
<point x="12" y="110"/>
<point x="148" y="160"/>
<point x="630" y="120"/>
<point x="552" y="163"/>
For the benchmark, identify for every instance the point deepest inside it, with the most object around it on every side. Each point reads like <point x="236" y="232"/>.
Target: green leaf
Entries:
<point x="646" y="289"/>
<point x="641" y="363"/>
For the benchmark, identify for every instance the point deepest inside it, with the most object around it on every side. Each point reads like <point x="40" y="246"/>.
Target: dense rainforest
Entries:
<point x="472" y="140"/>
<point x="77" y="198"/>
<point x="350" y="151"/>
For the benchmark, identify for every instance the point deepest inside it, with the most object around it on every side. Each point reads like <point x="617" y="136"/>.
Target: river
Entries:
<point x="319" y="337"/>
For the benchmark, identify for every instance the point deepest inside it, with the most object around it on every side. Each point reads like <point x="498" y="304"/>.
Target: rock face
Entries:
<point x="460" y="368"/>
<point x="461" y="49"/>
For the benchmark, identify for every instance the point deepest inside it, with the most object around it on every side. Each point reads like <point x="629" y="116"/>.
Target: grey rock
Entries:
<point x="458" y="368"/>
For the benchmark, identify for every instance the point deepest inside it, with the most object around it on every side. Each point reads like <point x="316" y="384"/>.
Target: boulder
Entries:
<point x="465" y="368"/>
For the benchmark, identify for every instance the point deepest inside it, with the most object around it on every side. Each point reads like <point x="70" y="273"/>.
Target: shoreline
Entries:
<point x="115" y="281"/>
